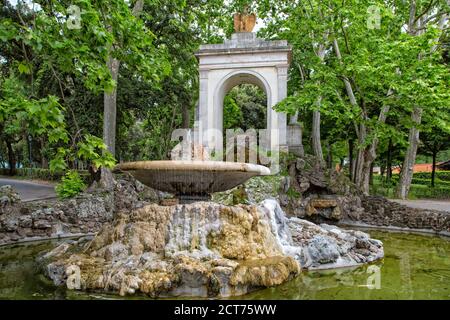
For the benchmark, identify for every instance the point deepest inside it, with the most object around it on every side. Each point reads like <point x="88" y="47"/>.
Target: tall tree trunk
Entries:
<point x="350" y="158"/>
<point x="433" y="169"/>
<point x="109" y="123"/>
<point x="362" y="170"/>
<point x="110" y="110"/>
<point x="371" y="175"/>
<point x="11" y="158"/>
<point x="315" y="135"/>
<point x="110" y="99"/>
<point x="359" y="166"/>
<point x="416" y="27"/>
<point x="406" y="175"/>
<point x="360" y="131"/>
<point x="389" y="163"/>
<point x="358" y="177"/>
<point x="370" y="153"/>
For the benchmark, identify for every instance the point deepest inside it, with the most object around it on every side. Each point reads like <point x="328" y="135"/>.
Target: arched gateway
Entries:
<point x="243" y="59"/>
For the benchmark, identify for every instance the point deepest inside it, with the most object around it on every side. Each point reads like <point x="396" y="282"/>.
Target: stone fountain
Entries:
<point x="201" y="248"/>
<point x="193" y="180"/>
<point x="190" y="175"/>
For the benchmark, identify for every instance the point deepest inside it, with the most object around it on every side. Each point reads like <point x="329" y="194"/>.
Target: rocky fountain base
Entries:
<point x="204" y="249"/>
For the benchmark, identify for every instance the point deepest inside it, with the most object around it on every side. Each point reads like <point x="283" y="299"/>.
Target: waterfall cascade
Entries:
<point x="205" y="249"/>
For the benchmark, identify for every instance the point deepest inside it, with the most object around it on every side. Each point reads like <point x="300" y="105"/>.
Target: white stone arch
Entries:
<point x="243" y="59"/>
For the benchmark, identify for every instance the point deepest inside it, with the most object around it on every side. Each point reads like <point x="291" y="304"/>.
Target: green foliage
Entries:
<point x="71" y="185"/>
<point x="417" y="191"/>
<point x="245" y="107"/>
<point x="20" y="115"/>
<point x="427" y="182"/>
<point x="232" y="114"/>
<point x="90" y="149"/>
<point x="425" y="192"/>
<point x="242" y="5"/>
<point x="420" y="187"/>
<point x="291" y="193"/>
<point x="93" y="149"/>
<point x="424" y="178"/>
<point x="44" y="174"/>
<point x="440" y="175"/>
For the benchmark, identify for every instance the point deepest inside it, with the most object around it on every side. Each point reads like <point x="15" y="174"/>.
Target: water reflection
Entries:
<point x="414" y="267"/>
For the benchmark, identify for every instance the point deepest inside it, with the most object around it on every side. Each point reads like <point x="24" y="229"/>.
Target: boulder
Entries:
<point x="323" y="249"/>
<point x="8" y="196"/>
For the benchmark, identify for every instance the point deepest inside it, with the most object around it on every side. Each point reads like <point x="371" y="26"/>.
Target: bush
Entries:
<point x="442" y="178"/>
<point x="71" y="185"/>
<point x="420" y="188"/>
<point x="418" y="191"/>
<point x="44" y="174"/>
<point x="427" y="182"/>
<point x="441" y="175"/>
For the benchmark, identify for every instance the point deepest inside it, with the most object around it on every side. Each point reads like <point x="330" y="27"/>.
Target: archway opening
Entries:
<point x="244" y="112"/>
<point x="242" y="102"/>
<point x="245" y="107"/>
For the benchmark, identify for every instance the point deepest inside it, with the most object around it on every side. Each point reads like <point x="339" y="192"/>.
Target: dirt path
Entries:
<point x="440" y="205"/>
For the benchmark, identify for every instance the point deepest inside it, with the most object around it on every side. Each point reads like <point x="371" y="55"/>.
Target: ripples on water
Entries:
<point x="414" y="267"/>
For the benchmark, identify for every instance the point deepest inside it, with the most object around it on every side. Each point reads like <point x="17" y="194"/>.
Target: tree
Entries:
<point x="20" y="116"/>
<point x="432" y="142"/>
<point x="47" y="45"/>
<point x="44" y="117"/>
<point x="425" y="25"/>
<point x="110" y="98"/>
<point x="368" y="74"/>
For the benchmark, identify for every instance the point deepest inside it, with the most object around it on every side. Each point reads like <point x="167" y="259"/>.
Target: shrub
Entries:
<point x="441" y="175"/>
<point x="427" y="182"/>
<point x="420" y="191"/>
<point x="45" y="174"/>
<point x="71" y="185"/>
<point x="442" y="178"/>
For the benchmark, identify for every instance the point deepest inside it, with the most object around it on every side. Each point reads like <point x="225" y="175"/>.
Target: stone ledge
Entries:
<point x="56" y="237"/>
<point x="349" y="223"/>
<point x="244" y="42"/>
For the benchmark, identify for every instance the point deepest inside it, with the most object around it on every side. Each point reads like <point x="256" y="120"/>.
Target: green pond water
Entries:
<point x="415" y="267"/>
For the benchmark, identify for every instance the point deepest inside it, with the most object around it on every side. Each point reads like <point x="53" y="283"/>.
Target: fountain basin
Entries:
<point x="192" y="180"/>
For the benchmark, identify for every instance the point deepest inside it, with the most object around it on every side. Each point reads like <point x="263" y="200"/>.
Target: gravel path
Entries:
<point x="30" y="191"/>
<point x="440" y="205"/>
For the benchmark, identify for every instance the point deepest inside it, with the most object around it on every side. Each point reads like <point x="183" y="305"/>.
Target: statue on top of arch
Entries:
<point x="244" y="21"/>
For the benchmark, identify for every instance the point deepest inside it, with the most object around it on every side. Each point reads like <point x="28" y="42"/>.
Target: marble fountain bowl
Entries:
<point x="192" y="180"/>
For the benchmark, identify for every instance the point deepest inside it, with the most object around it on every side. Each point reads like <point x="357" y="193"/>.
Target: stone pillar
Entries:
<point x="203" y="111"/>
<point x="294" y="139"/>
<point x="281" y="119"/>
